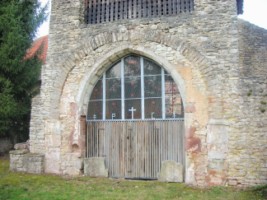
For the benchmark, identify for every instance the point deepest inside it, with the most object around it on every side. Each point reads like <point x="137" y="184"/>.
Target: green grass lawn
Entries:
<point x="21" y="186"/>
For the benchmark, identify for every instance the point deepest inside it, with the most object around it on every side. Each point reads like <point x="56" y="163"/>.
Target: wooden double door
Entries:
<point x="136" y="149"/>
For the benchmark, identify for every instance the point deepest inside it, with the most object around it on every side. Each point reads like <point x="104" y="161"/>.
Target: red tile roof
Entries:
<point x="41" y="44"/>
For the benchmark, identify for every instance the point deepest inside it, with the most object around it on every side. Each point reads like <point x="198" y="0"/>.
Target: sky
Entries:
<point x="255" y="11"/>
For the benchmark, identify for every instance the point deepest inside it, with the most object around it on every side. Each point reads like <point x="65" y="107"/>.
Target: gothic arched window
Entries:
<point x="135" y="88"/>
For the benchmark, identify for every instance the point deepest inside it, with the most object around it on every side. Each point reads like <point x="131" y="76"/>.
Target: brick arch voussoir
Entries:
<point x="92" y="43"/>
<point x="189" y="52"/>
<point x="88" y="45"/>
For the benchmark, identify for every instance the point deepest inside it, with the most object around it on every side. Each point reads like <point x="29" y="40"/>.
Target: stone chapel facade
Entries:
<point x="217" y="62"/>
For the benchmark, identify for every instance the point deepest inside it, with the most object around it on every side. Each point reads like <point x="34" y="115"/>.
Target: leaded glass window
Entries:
<point x="135" y="88"/>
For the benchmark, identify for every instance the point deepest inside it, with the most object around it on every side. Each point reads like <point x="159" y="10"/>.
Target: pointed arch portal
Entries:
<point x="135" y="119"/>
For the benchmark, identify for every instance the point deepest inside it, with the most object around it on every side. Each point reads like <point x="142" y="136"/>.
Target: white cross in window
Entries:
<point x="132" y="110"/>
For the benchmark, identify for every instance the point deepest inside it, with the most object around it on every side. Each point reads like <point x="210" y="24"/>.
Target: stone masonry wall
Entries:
<point x="200" y="50"/>
<point x="23" y="161"/>
<point x="248" y="149"/>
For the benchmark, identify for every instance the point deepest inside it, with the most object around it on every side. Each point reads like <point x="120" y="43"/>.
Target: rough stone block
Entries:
<point x="35" y="163"/>
<point x="22" y="146"/>
<point x="23" y="161"/>
<point x="95" y="167"/>
<point x="171" y="171"/>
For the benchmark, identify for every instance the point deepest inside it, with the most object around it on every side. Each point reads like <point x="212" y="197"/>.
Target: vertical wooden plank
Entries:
<point x="172" y="140"/>
<point x="169" y="7"/>
<point x="131" y="146"/>
<point x="125" y="149"/>
<point x="178" y="127"/>
<point x="164" y="7"/>
<point x="129" y="9"/>
<point x="143" y="159"/>
<point x="134" y="8"/>
<point x="153" y="149"/>
<point x="98" y="11"/>
<point x="91" y="8"/>
<point x="127" y="152"/>
<point x="167" y="141"/>
<point x="148" y="8"/>
<point x="191" y="5"/>
<point x="111" y="10"/>
<point x="144" y="154"/>
<point x="182" y="6"/>
<point x="107" y="11"/>
<point x="116" y="10"/>
<point x="161" y="7"/>
<point x="122" y="149"/>
<point x="93" y="140"/>
<point x="141" y="9"/>
<point x="155" y="2"/>
<point x="139" y="150"/>
<point x="152" y="167"/>
<point x="119" y="2"/>
<point x="89" y="146"/>
<point x="135" y="149"/>
<point x="175" y="140"/>
<point x="157" y="152"/>
<point x="149" y="155"/>
<point x="118" y="149"/>
<point x="171" y="129"/>
<point x="103" y="13"/>
<point x="115" y="152"/>
<point x="132" y="150"/>
<point x="125" y="9"/>
<point x="181" y="136"/>
<point x="178" y="6"/>
<point x="145" y="3"/>
<point x="182" y="133"/>
<point x="174" y="7"/>
<point x="161" y="144"/>
<point x="87" y="11"/>
<point x="105" y="142"/>
<point x="100" y="142"/>
<point x="186" y="6"/>
<point x="180" y="142"/>
<point x="111" y="153"/>
<point x="93" y="11"/>
<point x="88" y="140"/>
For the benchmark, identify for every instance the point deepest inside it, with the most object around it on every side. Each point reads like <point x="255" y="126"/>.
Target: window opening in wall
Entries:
<point x="135" y="88"/>
<point x="99" y="11"/>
